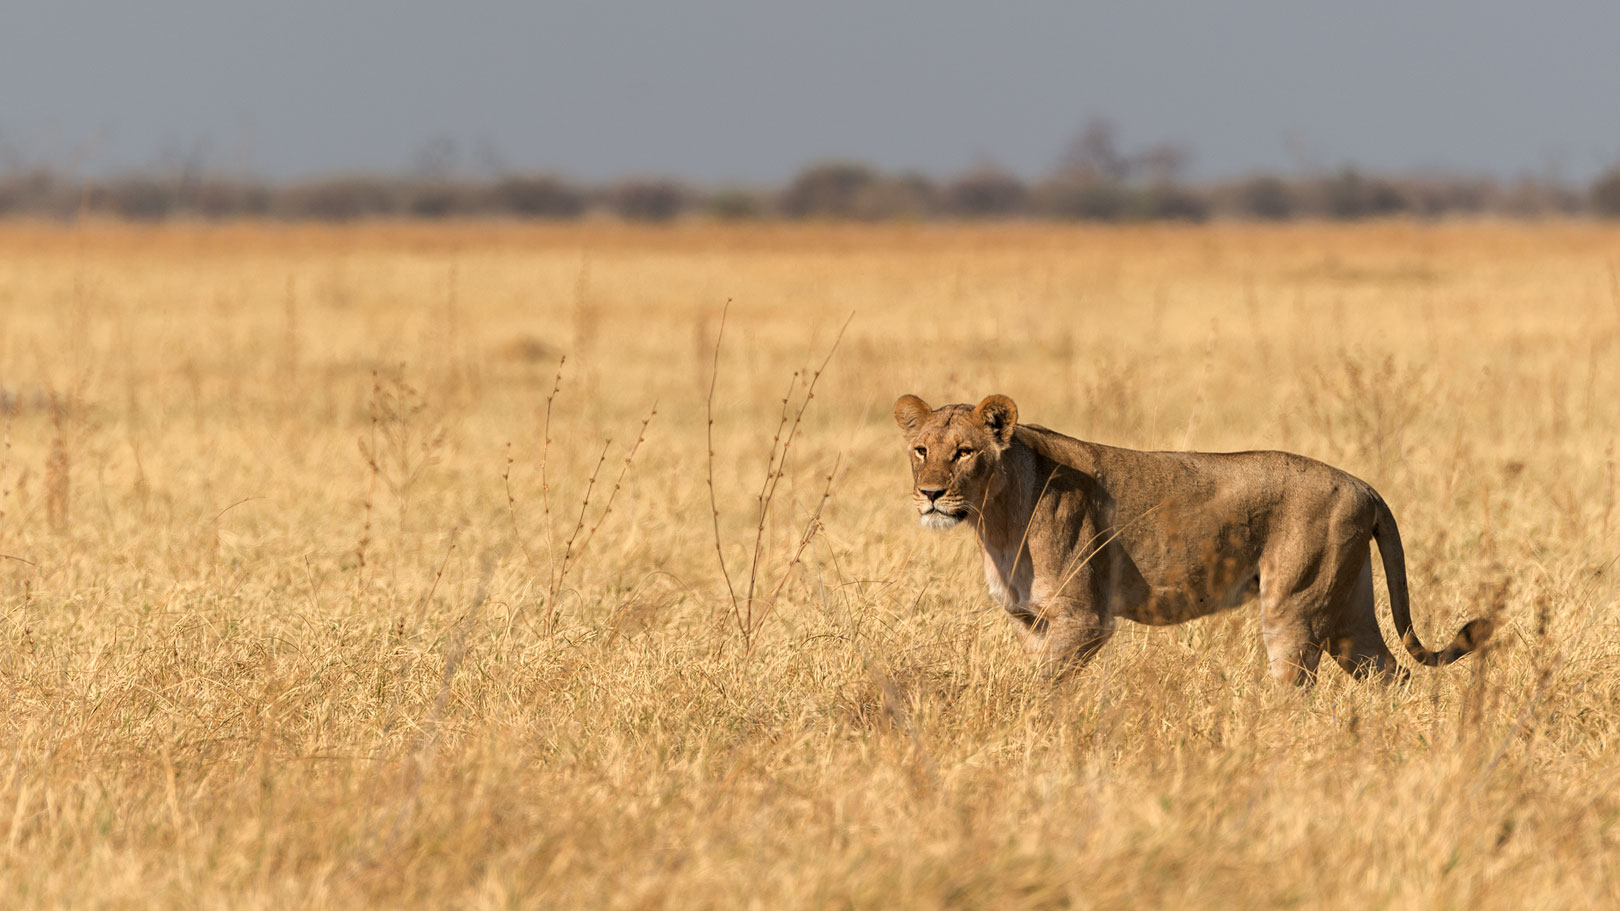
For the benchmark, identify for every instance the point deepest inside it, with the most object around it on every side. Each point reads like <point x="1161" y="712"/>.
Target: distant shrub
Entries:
<point x="1266" y="197"/>
<point x="32" y="192"/>
<point x="1604" y="196"/>
<point x="1084" y="200"/>
<point x="827" y="190"/>
<point x="1350" y="195"/>
<point x="137" y="198"/>
<point x="1432" y="197"/>
<point x="443" y="199"/>
<point x="986" y="193"/>
<point x="735" y="205"/>
<point x="647" y="200"/>
<point x="910" y="196"/>
<point x="1529" y="197"/>
<point x="536" y="196"/>
<point x="339" y="199"/>
<point x="1094" y="156"/>
<point x="225" y="198"/>
<point x="1172" y="202"/>
<point x="1097" y="180"/>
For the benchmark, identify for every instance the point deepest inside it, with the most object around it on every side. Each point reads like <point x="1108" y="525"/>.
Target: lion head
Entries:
<point x="956" y="453"/>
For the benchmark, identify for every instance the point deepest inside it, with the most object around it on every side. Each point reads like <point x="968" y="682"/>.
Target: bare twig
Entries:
<point x="511" y="507"/>
<point x="584" y="529"/>
<point x="579" y="523"/>
<point x="810" y="529"/>
<point x="368" y="451"/>
<point x="624" y="470"/>
<point x="545" y="451"/>
<point x="714" y="506"/>
<point x="421" y="609"/>
<point x="773" y="477"/>
<point x="741" y="610"/>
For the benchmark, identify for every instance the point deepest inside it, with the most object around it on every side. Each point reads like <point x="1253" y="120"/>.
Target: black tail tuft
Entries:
<point x="1473" y="635"/>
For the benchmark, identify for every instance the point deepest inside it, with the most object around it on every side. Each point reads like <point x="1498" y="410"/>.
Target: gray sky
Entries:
<point x="747" y="90"/>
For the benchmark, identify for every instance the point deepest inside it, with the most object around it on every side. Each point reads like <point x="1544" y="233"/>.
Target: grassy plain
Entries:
<point x="300" y="610"/>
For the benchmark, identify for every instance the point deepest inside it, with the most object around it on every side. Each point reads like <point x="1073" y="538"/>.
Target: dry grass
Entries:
<point x="300" y="608"/>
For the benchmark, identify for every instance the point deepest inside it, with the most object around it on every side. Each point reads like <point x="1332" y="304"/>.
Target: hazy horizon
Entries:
<point x="720" y="91"/>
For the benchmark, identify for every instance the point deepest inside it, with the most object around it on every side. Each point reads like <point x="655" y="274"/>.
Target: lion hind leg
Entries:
<point x="1291" y="642"/>
<point x="1292" y="646"/>
<point x="1353" y="639"/>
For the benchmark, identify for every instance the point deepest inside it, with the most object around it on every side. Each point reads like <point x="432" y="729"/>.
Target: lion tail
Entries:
<point x="1473" y="633"/>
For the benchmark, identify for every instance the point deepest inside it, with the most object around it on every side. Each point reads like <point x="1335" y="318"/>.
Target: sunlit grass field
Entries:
<point x="379" y="566"/>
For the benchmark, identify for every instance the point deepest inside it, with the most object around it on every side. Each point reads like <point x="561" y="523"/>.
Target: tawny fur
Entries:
<point x="1076" y="535"/>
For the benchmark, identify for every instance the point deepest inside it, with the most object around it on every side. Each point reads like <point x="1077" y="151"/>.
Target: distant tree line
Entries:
<point x="1094" y="181"/>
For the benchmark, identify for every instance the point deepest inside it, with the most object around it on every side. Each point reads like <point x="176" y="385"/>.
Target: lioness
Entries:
<point x="1077" y="534"/>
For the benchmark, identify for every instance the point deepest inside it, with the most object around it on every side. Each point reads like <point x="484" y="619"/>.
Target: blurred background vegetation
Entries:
<point x="1097" y="178"/>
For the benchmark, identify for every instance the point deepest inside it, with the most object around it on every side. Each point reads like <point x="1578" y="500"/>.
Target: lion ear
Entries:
<point x="999" y="415"/>
<point x="910" y="412"/>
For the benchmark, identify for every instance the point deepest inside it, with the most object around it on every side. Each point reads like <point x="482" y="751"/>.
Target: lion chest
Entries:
<point x="1008" y="578"/>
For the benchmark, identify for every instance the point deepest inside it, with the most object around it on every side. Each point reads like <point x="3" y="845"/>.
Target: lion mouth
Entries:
<point x="940" y="519"/>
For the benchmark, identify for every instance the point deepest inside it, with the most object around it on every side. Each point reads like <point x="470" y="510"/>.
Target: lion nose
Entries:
<point x="932" y="493"/>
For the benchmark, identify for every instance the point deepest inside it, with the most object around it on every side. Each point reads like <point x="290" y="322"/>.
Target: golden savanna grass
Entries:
<point x="302" y="610"/>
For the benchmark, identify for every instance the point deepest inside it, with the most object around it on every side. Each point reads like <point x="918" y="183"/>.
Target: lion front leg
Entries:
<point x="1065" y="635"/>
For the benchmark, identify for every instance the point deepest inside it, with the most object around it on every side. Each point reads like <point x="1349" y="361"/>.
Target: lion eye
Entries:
<point x="921" y="451"/>
<point x="963" y="453"/>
